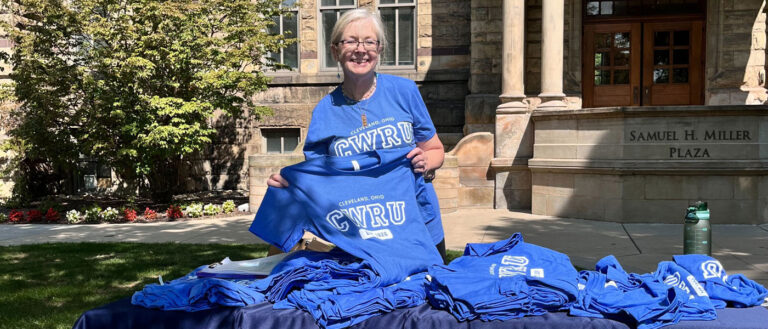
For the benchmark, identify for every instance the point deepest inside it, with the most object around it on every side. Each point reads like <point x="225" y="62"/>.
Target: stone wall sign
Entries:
<point x="700" y="151"/>
<point x="647" y="164"/>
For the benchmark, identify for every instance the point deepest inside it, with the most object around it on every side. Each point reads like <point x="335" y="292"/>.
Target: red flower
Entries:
<point x="34" y="215"/>
<point x="130" y="214"/>
<point x="150" y="214"/>
<point x="174" y="212"/>
<point x="52" y="215"/>
<point x="16" y="216"/>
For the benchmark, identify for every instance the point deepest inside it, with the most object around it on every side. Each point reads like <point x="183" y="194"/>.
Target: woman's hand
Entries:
<point x="427" y="155"/>
<point x="418" y="160"/>
<point x="275" y="180"/>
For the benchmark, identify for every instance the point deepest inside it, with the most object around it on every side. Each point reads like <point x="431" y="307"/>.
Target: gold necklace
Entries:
<point x="359" y="103"/>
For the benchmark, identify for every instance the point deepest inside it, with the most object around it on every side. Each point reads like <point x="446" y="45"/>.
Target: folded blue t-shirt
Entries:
<point x="724" y="290"/>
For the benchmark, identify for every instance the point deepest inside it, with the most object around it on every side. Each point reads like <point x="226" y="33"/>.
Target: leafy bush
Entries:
<point x="110" y="214"/>
<point x="129" y="214"/>
<point x="174" y="212"/>
<point x="150" y="214"/>
<point x="16" y="216"/>
<point x="73" y="216"/>
<point x="3" y="218"/>
<point x="194" y="210"/>
<point x="15" y="202"/>
<point x="228" y="206"/>
<point x="211" y="210"/>
<point x="34" y="215"/>
<point x="52" y="215"/>
<point x="48" y="204"/>
<point x="146" y="96"/>
<point x="93" y="214"/>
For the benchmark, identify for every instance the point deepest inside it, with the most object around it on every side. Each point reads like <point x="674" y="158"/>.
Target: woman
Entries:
<point x="373" y="111"/>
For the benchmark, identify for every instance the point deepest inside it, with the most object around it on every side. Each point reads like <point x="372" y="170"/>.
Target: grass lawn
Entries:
<point x="48" y="286"/>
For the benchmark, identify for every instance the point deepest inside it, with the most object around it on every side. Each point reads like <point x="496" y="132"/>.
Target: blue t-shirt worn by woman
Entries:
<point x="394" y="116"/>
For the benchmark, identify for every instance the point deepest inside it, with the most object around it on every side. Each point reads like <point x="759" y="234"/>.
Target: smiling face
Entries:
<point x="355" y="59"/>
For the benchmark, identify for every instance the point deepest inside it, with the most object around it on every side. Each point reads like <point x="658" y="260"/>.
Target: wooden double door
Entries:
<point x="643" y="64"/>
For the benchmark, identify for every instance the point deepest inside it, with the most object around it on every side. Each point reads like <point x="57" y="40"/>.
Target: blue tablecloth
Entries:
<point x="122" y="315"/>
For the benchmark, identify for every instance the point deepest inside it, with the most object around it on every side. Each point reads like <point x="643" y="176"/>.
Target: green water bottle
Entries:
<point x="697" y="236"/>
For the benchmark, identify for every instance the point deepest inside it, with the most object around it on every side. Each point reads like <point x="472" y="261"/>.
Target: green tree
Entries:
<point x="135" y="83"/>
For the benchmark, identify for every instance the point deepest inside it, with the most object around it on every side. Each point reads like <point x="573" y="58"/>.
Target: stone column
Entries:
<point x="513" y="144"/>
<point x="552" y="24"/>
<point x="513" y="55"/>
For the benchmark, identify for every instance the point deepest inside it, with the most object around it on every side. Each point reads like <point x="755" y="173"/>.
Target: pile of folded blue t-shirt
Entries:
<point x="495" y="281"/>
<point x="690" y="288"/>
<point x="503" y="280"/>
<point x="651" y="300"/>
<point x="340" y="310"/>
<point x="335" y="288"/>
<point x="190" y="293"/>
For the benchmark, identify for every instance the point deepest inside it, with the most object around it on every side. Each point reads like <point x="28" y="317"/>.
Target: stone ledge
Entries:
<point x="656" y="166"/>
<point x="273" y="160"/>
<point x="509" y="163"/>
<point x="652" y="111"/>
<point x="331" y="77"/>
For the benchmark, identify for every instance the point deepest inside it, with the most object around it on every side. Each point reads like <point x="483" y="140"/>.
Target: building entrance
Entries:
<point x="652" y="59"/>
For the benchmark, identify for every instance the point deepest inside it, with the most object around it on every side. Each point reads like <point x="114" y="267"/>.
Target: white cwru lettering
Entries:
<point x="377" y="215"/>
<point x="341" y="147"/>
<point x="396" y="212"/>
<point x="406" y="130"/>
<point x="389" y="136"/>
<point x="368" y="140"/>
<point x="357" y="215"/>
<point x="333" y="217"/>
<point x="364" y="142"/>
<point x="372" y="215"/>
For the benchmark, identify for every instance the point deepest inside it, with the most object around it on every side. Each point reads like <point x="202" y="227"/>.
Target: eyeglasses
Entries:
<point x="353" y="44"/>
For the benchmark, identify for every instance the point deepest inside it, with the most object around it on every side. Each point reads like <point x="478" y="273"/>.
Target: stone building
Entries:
<point x="623" y="110"/>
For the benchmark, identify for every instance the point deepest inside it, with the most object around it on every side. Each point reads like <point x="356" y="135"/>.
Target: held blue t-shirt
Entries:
<point x="365" y="204"/>
<point x="395" y="117"/>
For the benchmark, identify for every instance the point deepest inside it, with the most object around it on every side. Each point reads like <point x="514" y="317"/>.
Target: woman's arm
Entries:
<point x="427" y="155"/>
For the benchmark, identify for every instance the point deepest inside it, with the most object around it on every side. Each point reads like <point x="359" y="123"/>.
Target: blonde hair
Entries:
<point x="356" y="15"/>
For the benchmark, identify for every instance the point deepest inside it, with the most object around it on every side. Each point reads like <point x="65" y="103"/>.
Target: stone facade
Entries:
<point x="735" y="60"/>
<point x="648" y="164"/>
<point x="502" y="80"/>
<point x="473" y="157"/>
<point x="474" y="99"/>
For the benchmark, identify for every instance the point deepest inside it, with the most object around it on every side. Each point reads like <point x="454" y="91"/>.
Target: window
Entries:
<point x="330" y="11"/>
<point x="287" y="24"/>
<point x="614" y="45"/>
<point x="607" y="8"/>
<point x="92" y="175"/>
<point x="280" y="140"/>
<point x="400" y="27"/>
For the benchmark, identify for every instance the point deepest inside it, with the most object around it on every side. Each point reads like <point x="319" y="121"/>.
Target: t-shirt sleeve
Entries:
<point x="316" y="142"/>
<point x="423" y="128"/>
<point x="279" y="220"/>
